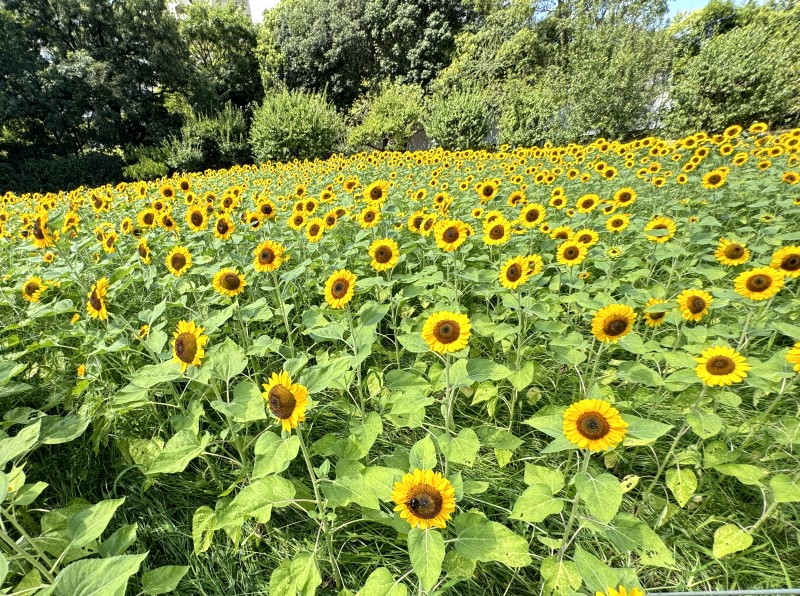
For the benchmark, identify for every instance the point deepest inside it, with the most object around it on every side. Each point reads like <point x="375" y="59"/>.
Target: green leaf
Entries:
<point x="785" y="488"/>
<point x="21" y="443"/>
<point x="226" y="360"/>
<point x="363" y="437"/>
<point x="601" y="495"/>
<point x="744" y="473"/>
<point x="597" y="575"/>
<point x="635" y="372"/>
<point x="372" y="312"/>
<point x="479" y="369"/>
<point x="550" y="477"/>
<point x="281" y="580"/>
<point x="704" y="424"/>
<point x="87" y="525"/>
<point x="98" y="577"/>
<point x="561" y="578"/>
<point x="163" y="579"/>
<point x="461" y="449"/>
<point x="256" y="500"/>
<point x="62" y="429"/>
<point x="552" y="424"/>
<point x="536" y="503"/>
<point x="482" y="540"/>
<point x="426" y="551"/>
<point x="248" y="404"/>
<point x="274" y="454"/>
<point x="155" y="341"/>
<point x="305" y="574"/>
<point x="630" y="534"/>
<point x="523" y="377"/>
<point x="153" y="374"/>
<point x="633" y="343"/>
<point x="457" y="565"/>
<point x="682" y="482"/>
<point x="642" y="431"/>
<point x="729" y="539"/>
<point x="182" y="448"/>
<point x="413" y="342"/>
<point x="322" y="377"/>
<point x="118" y="542"/>
<point x="381" y="583"/>
<point x="423" y="454"/>
<point x="203" y="522"/>
<point x="3" y="568"/>
<point x="497" y="438"/>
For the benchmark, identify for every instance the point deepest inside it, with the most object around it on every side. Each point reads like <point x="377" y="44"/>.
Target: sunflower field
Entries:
<point x="548" y="370"/>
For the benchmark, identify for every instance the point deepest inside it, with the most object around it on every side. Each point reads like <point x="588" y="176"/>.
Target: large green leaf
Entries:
<point x="87" y="525"/>
<point x="536" y="503"/>
<point x="182" y="448"/>
<point x="98" y="577"/>
<point x="601" y="495"/>
<point x="426" y="551"/>
<point x="479" y="539"/>
<point x="274" y="454"/>
<point x="162" y="580"/>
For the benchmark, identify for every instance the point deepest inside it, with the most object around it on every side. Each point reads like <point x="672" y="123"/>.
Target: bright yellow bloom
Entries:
<point x="425" y="499"/>
<point x="594" y="424"/>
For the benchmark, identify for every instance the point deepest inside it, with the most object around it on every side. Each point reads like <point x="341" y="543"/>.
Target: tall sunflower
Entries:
<point x="694" y="304"/>
<point x="425" y="499"/>
<point x="586" y="236"/>
<point x="532" y="215"/>
<point x="497" y="232"/>
<point x="731" y="253"/>
<point x="613" y="322"/>
<point x="315" y="228"/>
<point x="665" y="228"/>
<point x="446" y="332"/>
<point x="618" y="222"/>
<point x="229" y="282"/>
<point x="369" y="217"/>
<point x="377" y="192"/>
<point x="188" y="346"/>
<point x="653" y="317"/>
<point x="286" y="400"/>
<point x="269" y="256"/>
<point x="721" y="365"/>
<point x="714" y="179"/>
<point x="96" y="306"/>
<point x="594" y="424"/>
<point x="571" y="253"/>
<point x="196" y="219"/>
<point x="514" y="272"/>
<point x="787" y="260"/>
<point x="450" y="234"/>
<point x="224" y="228"/>
<point x="759" y="283"/>
<point x="178" y="261"/>
<point x="339" y="288"/>
<point x="385" y="254"/>
<point x="32" y="289"/>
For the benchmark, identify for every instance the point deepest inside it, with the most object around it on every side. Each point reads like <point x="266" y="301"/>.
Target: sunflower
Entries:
<point x="731" y="253"/>
<point x="167" y="191"/>
<point x="187" y="349"/>
<point x="660" y="223"/>
<point x="269" y="256"/>
<point x="617" y="223"/>
<point x="571" y="253"/>
<point x="791" y="177"/>
<point x="532" y="215"/>
<point x="377" y="192"/>
<point x="587" y="203"/>
<point x="446" y="332"/>
<point x="621" y="591"/>
<point x="144" y="251"/>
<point x="759" y="283"/>
<point x="714" y="179"/>
<point x="694" y="304"/>
<point x="497" y="232"/>
<point x="339" y="288"/>
<point x="266" y="208"/>
<point x="450" y="234"/>
<point x="32" y="289"/>
<point x="425" y="498"/>
<point x="561" y="233"/>
<point x="40" y="235"/>
<point x="624" y="196"/>
<point x="178" y="261"/>
<point x="229" y="282"/>
<point x="720" y="366"/>
<point x="196" y="219"/>
<point x="286" y="400"/>
<point x="514" y="272"/>
<point x="793" y="357"/>
<point x="384" y="253"/>
<point x="224" y="227"/>
<point x="316" y="226"/>
<point x="787" y="259"/>
<point x="594" y="424"/>
<point x="96" y="306"/>
<point x="369" y="217"/>
<point x="654" y="318"/>
<point x="487" y="190"/>
<point x="535" y="265"/>
<point x="586" y="236"/>
<point x="613" y="322"/>
<point x="297" y="221"/>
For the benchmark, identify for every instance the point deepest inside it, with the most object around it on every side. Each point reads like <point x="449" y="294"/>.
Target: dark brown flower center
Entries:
<point x="497" y="232"/>
<point x="447" y="331"/>
<point x="660" y="226"/>
<point x="227" y="202"/>
<point x="487" y="190"/>
<point x="186" y="347"/>
<point x="562" y="235"/>
<point x="514" y="272"/>
<point x="714" y="179"/>
<point x="266" y="209"/>
<point x="339" y="288"/>
<point x="178" y="261"/>
<point x="425" y="501"/>
<point x="298" y="220"/>
<point x="314" y="229"/>
<point x="230" y="281"/>
<point x="791" y="262"/>
<point x="571" y="253"/>
<point x="110" y="241"/>
<point x="142" y="251"/>
<point x="330" y="220"/>
<point x="615" y="325"/>
<point x="376" y="193"/>
<point x="617" y="222"/>
<point x="532" y="215"/>
<point x="758" y="283"/>
<point x="222" y="227"/>
<point x="31" y="288"/>
<point x="197" y="218"/>
<point x="148" y="219"/>
<point x="696" y="305"/>
<point x="588" y="203"/>
<point x="450" y="235"/>
<point x="720" y="365"/>
<point x="310" y="206"/>
<point x="383" y="254"/>
<point x="369" y="216"/>
<point x="95" y="301"/>
<point x="593" y="425"/>
<point x="655" y="316"/>
<point x="585" y="238"/>
<point x="734" y="251"/>
<point x="281" y="402"/>
<point x="266" y="256"/>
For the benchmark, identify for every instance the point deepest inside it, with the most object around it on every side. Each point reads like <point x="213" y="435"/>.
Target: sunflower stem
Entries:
<point x="323" y="522"/>
<point x="11" y="518"/>
<point x="448" y="397"/>
<point x="283" y="312"/>
<point x="664" y="462"/>
<point x="765" y="414"/>
<point x="358" y="366"/>
<point x="743" y="337"/>
<point x="592" y="377"/>
<point x="521" y="320"/>
<point x="574" y="513"/>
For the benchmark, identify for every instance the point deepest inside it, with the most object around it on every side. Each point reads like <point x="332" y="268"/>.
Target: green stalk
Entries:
<point x="574" y="513"/>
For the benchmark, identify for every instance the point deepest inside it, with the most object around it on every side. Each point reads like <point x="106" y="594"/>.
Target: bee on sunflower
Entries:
<point x="286" y="400"/>
<point x="425" y="499"/>
<point x="188" y="346"/>
<point x="446" y="332"/>
<point x="594" y="424"/>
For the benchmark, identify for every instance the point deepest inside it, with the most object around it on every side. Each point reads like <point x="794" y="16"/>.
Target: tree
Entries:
<point x="388" y="120"/>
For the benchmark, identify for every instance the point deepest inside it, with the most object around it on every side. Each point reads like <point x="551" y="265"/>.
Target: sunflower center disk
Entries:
<point x="313" y="230"/>
<point x="339" y="288"/>
<point x="148" y="219"/>
<point x="593" y="425"/>
<point x="514" y="272"/>
<point x="383" y="254"/>
<point x="369" y="216"/>
<point x="222" y="227"/>
<point x="231" y="281"/>
<point x="758" y="283"/>
<point x="425" y="501"/>
<point x="266" y="256"/>
<point x="96" y="302"/>
<point x="281" y="402"/>
<point x="488" y="191"/>
<point x="791" y="263"/>
<point x="375" y="194"/>
<point x="720" y="365"/>
<point x="532" y="215"/>
<point x="197" y="218"/>
<point x="615" y="326"/>
<point x="446" y="331"/>
<point x="571" y="253"/>
<point x="696" y="305"/>
<point x="657" y="315"/>
<point x="31" y="289"/>
<point x="734" y="251"/>
<point x="450" y="235"/>
<point x="186" y="347"/>
<point x="497" y="232"/>
<point x="178" y="262"/>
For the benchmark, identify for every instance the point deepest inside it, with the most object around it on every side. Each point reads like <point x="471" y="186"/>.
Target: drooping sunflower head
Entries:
<point x="339" y="288"/>
<point x="694" y="304"/>
<point x="787" y="260"/>
<point x="759" y="283"/>
<point x="178" y="261"/>
<point x="446" y="332"/>
<point x="425" y="499"/>
<point x="721" y="365"/>
<point x="731" y="253"/>
<point x="653" y="317"/>
<point x="188" y="346"/>
<point x="514" y="272"/>
<point x="613" y="322"/>
<point x="385" y="254"/>
<point x="32" y="289"/>
<point x="287" y="401"/>
<point x="229" y="282"/>
<point x="594" y="424"/>
<point x="268" y="256"/>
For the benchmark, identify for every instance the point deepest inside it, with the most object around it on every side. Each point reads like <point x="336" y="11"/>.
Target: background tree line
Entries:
<point x="97" y="90"/>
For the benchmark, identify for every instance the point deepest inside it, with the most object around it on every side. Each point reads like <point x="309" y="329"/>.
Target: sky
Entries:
<point x="675" y="6"/>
